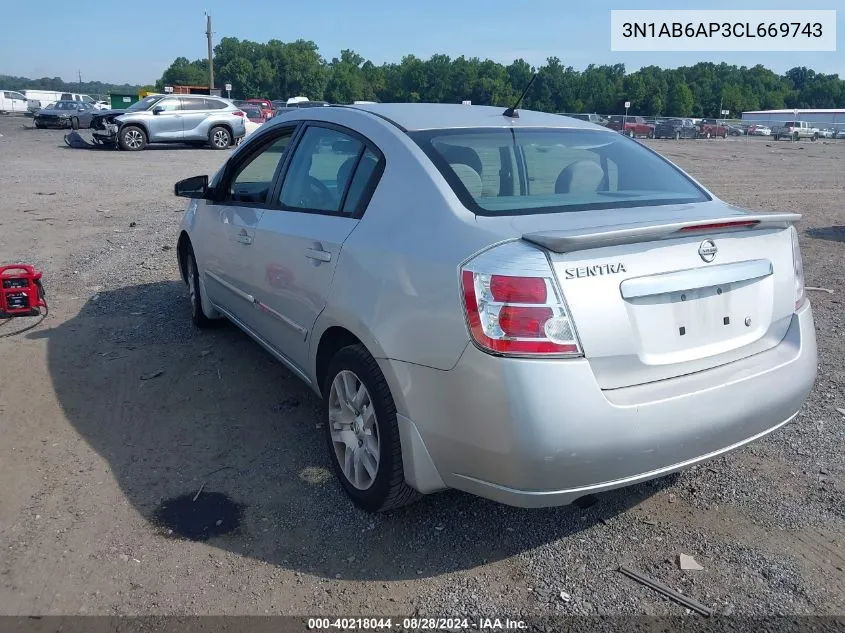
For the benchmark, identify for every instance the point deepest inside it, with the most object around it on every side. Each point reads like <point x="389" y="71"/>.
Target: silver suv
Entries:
<point x="171" y="119"/>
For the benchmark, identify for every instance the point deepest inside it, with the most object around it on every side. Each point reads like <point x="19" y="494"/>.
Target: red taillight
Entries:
<point x="518" y="289"/>
<point x="238" y="113"/>
<point x="499" y="326"/>
<point x="720" y="225"/>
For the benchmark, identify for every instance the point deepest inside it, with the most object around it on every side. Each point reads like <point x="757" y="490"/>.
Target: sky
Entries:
<point x="134" y="42"/>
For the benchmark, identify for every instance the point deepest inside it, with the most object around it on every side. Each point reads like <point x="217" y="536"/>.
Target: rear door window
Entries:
<point x="321" y="170"/>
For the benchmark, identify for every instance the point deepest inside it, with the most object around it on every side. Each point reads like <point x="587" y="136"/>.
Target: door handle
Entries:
<point x="244" y="237"/>
<point x="318" y="254"/>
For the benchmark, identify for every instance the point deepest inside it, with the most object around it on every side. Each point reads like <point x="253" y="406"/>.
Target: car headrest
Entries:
<point x="469" y="177"/>
<point x="582" y="176"/>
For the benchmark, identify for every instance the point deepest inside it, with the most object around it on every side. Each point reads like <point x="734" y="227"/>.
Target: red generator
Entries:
<point x="21" y="292"/>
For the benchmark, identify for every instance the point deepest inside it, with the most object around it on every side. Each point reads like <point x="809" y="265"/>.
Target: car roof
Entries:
<point x="429" y="116"/>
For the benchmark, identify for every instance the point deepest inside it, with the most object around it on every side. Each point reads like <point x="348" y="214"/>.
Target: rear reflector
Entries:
<point x="720" y="225"/>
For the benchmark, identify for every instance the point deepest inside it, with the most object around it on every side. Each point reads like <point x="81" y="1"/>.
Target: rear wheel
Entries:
<point x="220" y="138"/>
<point x="74" y="123"/>
<point x="132" y="138"/>
<point x="362" y="432"/>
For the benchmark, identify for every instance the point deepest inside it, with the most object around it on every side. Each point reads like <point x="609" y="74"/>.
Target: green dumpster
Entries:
<point x="121" y="102"/>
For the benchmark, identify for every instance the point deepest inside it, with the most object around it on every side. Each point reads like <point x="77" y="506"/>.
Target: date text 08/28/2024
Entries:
<point x="415" y="624"/>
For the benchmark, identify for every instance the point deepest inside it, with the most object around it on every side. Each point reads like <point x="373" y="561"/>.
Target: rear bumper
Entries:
<point x="538" y="433"/>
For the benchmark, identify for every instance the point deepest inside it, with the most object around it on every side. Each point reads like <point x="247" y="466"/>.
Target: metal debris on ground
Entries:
<point x="827" y="290"/>
<point x="151" y="375"/>
<point x="197" y="496"/>
<point x="660" y="588"/>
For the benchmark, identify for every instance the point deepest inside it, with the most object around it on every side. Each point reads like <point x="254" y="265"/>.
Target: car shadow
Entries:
<point x="207" y="423"/>
<point x="831" y="233"/>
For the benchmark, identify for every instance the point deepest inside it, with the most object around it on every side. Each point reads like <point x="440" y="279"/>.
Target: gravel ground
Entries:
<point x="97" y="444"/>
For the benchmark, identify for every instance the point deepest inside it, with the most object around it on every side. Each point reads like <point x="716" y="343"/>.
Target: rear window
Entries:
<point x="505" y="171"/>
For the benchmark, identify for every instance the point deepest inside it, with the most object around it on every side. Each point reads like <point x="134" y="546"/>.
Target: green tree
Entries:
<point x="680" y="99"/>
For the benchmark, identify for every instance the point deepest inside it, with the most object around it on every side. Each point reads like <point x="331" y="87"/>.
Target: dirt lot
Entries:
<point x="94" y="450"/>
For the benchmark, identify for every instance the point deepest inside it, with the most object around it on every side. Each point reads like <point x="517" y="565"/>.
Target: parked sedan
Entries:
<point x="556" y="311"/>
<point x="65" y="114"/>
<point x="675" y="128"/>
<point x="759" y="130"/>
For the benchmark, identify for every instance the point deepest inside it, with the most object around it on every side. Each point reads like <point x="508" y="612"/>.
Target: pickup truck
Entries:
<point x="795" y="130"/>
<point x="709" y="128"/>
<point x="632" y="126"/>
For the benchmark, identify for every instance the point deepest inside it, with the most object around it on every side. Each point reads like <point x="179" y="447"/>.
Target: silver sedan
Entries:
<point x="519" y="305"/>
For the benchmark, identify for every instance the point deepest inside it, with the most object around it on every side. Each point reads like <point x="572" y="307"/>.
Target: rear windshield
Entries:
<point x="790" y="124"/>
<point x="507" y="171"/>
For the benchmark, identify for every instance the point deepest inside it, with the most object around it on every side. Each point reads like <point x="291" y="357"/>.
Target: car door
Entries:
<point x="18" y="101"/>
<point x="165" y="123"/>
<point x="228" y="240"/>
<point x="194" y="111"/>
<point x="326" y="187"/>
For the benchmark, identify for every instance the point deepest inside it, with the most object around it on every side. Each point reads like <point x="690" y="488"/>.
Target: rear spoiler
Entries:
<point x="583" y="239"/>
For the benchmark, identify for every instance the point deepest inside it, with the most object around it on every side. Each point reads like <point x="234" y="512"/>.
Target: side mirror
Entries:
<point x="193" y="187"/>
<point x="158" y="110"/>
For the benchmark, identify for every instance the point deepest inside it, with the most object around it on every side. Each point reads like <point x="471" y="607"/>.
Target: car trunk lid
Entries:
<point x="665" y="297"/>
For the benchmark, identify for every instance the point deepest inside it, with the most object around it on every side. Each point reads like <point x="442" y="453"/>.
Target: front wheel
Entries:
<point x="198" y="316"/>
<point x="132" y="138"/>
<point x="74" y="123"/>
<point x="220" y="138"/>
<point x="362" y="432"/>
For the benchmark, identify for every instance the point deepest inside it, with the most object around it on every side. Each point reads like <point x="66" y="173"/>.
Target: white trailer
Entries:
<point x="833" y="119"/>
<point x="37" y="99"/>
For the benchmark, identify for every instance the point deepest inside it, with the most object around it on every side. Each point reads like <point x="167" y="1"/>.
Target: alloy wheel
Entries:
<point x="354" y="429"/>
<point x="221" y="138"/>
<point x="133" y="139"/>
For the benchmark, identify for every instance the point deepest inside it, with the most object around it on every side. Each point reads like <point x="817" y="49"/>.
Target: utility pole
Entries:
<point x="210" y="60"/>
<point x="80" y="80"/>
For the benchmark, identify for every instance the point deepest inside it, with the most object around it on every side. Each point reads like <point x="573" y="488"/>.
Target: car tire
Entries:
<point x="198" y="316"/>
<point x="375" y="430"/>
<point x="724" y="135"/>
<point x="39" y="125"/>
<point x="132" y="138"/>
<point x="707" y="136"/>
<point x="815" y="137"/>
<point x="74" y="123"/>
<point x="219" y="138"/>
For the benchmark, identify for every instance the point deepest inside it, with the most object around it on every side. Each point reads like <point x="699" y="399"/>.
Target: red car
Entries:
<point x="711" y="127"/>
<point x="633" y="126"/>
<point x="265" y="105"/>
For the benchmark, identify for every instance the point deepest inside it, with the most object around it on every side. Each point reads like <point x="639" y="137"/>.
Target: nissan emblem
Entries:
<point x="707" y="250"/>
